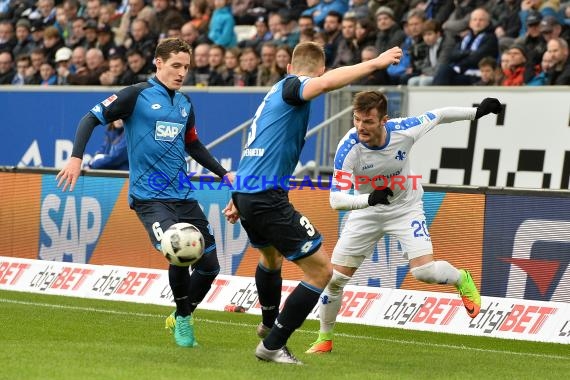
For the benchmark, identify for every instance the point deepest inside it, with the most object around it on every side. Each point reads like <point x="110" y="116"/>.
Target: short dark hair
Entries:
<point x="365" y="101"/>
<point x="488" y="61"/>
<point x="170" y="46"/>
<point x="431" y="26"/>
<point x="335" y="14"/>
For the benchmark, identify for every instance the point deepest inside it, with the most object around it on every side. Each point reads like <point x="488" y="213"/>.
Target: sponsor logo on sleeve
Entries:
<point x="107" y="102"/>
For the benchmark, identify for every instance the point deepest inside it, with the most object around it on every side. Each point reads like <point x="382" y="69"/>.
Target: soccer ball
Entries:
<point x="182" y="244"/>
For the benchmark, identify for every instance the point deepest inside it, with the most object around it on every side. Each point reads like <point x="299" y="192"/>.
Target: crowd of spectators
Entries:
<point x="445" y="42"/>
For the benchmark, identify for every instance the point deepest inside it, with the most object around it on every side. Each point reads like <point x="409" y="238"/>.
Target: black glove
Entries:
<point x="487" y="106"/>
<point x="380" y="196"/>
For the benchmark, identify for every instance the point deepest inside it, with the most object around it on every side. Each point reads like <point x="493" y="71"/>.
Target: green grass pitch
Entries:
<point x="52" y="337"/>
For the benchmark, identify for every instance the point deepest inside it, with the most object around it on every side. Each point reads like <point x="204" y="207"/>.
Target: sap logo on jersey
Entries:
<point x="165" y="131"/>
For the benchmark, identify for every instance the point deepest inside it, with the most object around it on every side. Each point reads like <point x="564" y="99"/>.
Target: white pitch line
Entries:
<point x="248" y="325"/>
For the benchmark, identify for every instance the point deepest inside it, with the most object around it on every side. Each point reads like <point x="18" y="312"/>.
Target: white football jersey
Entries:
<point x="359" y="166"/>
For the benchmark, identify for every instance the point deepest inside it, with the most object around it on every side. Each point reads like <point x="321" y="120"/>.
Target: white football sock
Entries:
<point x="437" y="272"/>
<point x="331" y="301"/>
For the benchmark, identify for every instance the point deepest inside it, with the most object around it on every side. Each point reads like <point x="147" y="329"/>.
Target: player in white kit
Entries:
<point x="373" y="159"/>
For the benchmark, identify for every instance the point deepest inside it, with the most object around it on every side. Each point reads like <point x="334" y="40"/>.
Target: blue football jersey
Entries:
<point x="275" y="138"/>
<point x="158" y="123"/>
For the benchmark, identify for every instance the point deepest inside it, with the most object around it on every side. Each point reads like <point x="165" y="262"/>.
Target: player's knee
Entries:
<point x="208" y="264"/>
<point x="425" y="273"/>
<point x="337" y="283"/>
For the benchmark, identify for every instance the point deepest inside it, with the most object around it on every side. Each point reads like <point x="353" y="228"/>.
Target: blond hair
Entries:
<point x="308" y="57"/>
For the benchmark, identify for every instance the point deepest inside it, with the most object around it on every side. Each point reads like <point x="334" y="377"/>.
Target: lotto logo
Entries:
<point x="165" y="131"/>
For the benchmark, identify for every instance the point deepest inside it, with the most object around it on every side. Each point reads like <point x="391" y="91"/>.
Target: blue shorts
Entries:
<point x="158" y="216"/>
<point x="271" y="220"/>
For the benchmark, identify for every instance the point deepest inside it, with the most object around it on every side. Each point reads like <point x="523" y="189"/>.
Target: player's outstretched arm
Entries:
<point x="342" y="76"/>
<point x="72" y="170"/>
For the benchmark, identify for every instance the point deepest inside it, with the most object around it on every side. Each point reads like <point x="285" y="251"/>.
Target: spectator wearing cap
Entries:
<point x="37" y="34"/>
<point x="389" y="32"/>
<point x="532" y="7"/>
<point x="533" y="41"/>
<point x="559" y="73"/>
<point x="479" y="42"/>
<point x="398" y="7"/>
<point x="105" y="41"/>
<point x="519" y="71"/>
<point x="23" y="38"/>
<point x="320" y="9"/>
<point x="63" y="64"/>
<point x="90" y="30"/>
<point x="221" y="27"/>
<point x="551" y="28"/>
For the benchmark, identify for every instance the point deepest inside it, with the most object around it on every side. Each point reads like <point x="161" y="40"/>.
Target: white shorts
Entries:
<point x="364" y="228"/>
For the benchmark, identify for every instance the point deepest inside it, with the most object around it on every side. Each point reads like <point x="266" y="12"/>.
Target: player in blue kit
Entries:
<point x="274" y="143"/>
<point x="159" y="126"/>
<point x="387" y="200"/>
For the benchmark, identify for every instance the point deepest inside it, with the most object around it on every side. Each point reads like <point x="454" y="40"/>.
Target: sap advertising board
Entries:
<point x="38" y="126"/>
